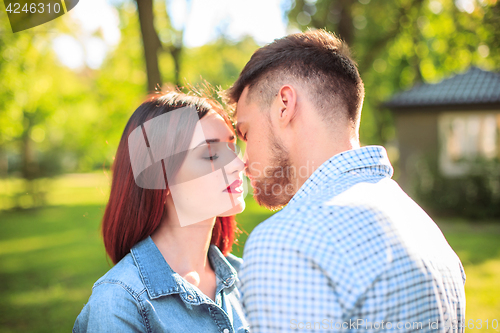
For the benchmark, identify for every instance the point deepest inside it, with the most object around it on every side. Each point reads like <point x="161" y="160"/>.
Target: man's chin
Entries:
<point x="271" y="201"/>
<point x="267" y="205"/>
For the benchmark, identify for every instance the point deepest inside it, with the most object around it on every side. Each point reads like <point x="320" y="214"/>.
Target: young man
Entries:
<point x="350" y="250"/>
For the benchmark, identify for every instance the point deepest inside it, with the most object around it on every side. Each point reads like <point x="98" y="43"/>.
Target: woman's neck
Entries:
<point x="185" y="248"/>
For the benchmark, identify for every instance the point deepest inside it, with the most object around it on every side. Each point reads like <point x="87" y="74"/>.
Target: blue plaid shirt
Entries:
<point x="351" y="251"/>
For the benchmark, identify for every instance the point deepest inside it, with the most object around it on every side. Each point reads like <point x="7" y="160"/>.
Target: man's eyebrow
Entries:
<point x="231" y="138"/>
<point x="238" y="126"/>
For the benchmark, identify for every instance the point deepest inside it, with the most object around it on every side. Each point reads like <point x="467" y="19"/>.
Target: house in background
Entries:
<point x="452" y="123"/>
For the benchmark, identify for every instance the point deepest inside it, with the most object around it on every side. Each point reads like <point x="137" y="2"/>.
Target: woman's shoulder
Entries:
<point x="125" y="274"/>
<point x="235" y="261"/>
<point x="109" y="306"/>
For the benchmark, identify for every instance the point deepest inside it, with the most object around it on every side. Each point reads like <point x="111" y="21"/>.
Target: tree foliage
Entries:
<point x="55" y="120"/>
<point x="399" y="43"/>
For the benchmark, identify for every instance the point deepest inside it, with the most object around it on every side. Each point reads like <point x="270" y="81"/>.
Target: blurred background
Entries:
<point x="68" y="87"/>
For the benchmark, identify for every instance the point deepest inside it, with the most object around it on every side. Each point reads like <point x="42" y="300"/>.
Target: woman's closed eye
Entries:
<point x="211" y="158"/>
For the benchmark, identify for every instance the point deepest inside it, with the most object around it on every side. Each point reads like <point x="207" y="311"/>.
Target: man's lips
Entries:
<point x="252" y="180"/>
<point x="249" y="176"/>
<point x="235" y="187"/>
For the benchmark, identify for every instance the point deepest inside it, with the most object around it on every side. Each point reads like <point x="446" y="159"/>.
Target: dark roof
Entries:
<point x="474" y="87"/>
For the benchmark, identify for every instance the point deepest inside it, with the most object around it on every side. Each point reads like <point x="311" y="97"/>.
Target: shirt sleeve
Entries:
<point x="284" y="289"/>
<point x="464" y="277"/>
<point x="111" y="308"/>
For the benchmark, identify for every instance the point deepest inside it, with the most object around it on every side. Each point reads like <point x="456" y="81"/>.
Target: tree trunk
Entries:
<point x="175" y="51"/>
<point x="29" y="166"/>
<point x="4" y="163"/>
<point x="150" y="41"/>
<point x="346" y="24"/>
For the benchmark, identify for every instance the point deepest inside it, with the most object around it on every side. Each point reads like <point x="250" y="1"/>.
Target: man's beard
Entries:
<point x="275" y="188"/>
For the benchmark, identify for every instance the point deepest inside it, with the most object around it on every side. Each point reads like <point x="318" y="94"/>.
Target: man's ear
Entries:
<point x="285" y="107"/>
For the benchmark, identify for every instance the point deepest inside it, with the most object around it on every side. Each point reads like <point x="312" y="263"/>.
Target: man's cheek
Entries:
<point x="255" y="169"/>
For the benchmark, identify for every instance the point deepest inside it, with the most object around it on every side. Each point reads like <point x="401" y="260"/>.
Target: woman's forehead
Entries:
<point x="213" y="123"/>
<point x="211" y="126"/>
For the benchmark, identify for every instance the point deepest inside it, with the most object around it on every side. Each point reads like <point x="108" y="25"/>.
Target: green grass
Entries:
<point x="251" y="216"/>
<point x="50" y="257"/>
<point x="478" y="246"/>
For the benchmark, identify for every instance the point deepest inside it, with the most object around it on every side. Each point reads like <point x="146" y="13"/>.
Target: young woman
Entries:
<point x="169" y="224"/>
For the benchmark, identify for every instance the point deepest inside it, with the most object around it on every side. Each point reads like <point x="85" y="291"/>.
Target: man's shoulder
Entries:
<point x="294" y="225"/>
<point x="314" y="214"/>
<point x="340" y="221"/>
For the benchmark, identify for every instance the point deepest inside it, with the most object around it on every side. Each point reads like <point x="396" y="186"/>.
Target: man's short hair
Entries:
<point x="316" y="60"/>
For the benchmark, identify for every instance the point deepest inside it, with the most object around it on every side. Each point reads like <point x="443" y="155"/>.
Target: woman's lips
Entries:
<point x="235" y="187"/>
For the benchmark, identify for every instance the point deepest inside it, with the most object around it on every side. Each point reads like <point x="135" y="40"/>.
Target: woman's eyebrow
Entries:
<point x="207" y="141"/>
<point x="231" y="138"/>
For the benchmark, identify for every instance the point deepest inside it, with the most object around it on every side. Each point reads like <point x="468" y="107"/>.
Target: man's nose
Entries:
<point x="247" y="163"/>
<point x="245" y="157"/>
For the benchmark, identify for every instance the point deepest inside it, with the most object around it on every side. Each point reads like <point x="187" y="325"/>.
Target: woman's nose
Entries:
<point x="233" y="147"/>
<point x="237" y="164"/>
<point x="241" y="162"/>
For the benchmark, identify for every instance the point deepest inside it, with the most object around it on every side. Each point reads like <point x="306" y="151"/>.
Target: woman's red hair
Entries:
<point x="134" y="213"/>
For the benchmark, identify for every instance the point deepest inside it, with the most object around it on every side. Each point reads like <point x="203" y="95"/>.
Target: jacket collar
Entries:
<point x="160" y="280"/>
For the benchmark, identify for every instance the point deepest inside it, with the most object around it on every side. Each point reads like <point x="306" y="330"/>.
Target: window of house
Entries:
<point x="466" y="137"/>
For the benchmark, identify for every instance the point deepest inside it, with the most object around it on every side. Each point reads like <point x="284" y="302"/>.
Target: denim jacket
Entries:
<point x="143" y="294"/>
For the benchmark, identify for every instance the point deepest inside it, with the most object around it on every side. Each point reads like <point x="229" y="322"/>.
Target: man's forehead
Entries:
<point x="240" y="116"/>
<point x="242" y="105"/>
<point x="245" y="97"/>
<point x="239" y="119"/>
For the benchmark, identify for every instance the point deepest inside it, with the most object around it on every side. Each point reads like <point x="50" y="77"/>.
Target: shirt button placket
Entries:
<point x="220" y="318"/>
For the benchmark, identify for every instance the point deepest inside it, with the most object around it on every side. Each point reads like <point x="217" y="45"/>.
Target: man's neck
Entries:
<point x="315" y="153"/>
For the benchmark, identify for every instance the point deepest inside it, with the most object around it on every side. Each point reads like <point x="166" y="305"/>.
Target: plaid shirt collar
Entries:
<point x="371" y="159"/>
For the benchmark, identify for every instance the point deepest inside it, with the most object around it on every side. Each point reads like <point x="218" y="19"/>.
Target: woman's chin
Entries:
<point x="238" y="208"/>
